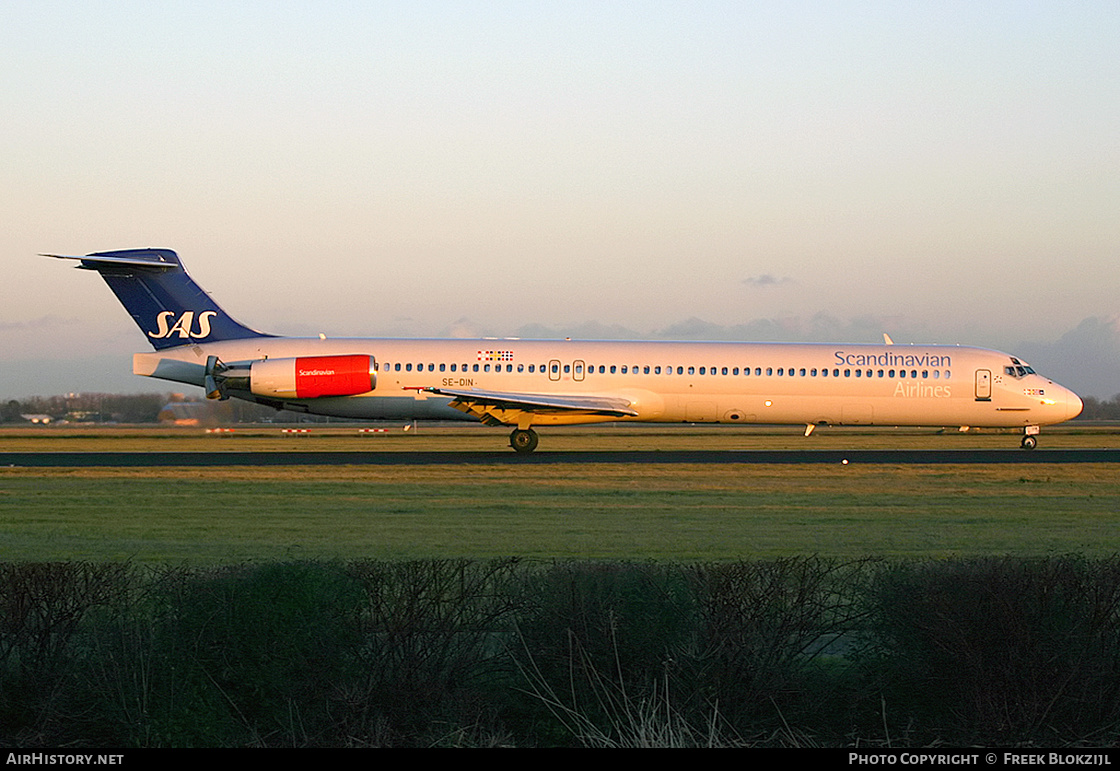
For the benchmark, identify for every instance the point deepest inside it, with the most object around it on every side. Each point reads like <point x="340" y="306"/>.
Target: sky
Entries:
<point x="945" y="172"/>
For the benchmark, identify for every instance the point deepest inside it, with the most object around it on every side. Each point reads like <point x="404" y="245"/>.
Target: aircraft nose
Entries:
<point x="1074" y="405"/>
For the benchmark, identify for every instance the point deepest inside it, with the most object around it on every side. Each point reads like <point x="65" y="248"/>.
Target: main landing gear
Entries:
<point x="523" y="440"/>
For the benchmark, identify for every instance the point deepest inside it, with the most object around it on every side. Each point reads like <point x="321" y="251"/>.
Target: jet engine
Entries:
<point x="309" y="377"/>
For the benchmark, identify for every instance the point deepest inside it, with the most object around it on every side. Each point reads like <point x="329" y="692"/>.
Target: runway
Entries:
<point x="509" y="458"/>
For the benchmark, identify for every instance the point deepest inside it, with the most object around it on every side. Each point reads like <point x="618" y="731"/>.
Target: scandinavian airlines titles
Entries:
<point x="890" y="359"/>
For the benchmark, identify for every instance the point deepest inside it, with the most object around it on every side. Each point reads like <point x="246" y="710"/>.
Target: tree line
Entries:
<point x="1100" y="409"/>
<point x="134" y="408"/>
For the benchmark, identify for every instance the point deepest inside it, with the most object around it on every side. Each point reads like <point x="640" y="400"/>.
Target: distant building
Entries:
<point x="185" y="413"/>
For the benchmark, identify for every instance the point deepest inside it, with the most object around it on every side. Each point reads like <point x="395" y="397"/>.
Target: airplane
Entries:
<point x="527" y="383"/>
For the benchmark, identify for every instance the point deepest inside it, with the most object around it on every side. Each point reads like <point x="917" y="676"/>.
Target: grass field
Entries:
<point x="593" y="511"/>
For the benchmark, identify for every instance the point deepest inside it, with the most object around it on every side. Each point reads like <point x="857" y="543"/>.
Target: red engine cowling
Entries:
<point x="309" y="377"/>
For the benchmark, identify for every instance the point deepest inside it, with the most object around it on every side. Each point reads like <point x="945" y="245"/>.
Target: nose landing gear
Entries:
<point x="1030" y="438"/>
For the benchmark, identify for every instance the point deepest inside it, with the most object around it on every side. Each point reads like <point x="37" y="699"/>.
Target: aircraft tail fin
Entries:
<point x="166" y="303"/>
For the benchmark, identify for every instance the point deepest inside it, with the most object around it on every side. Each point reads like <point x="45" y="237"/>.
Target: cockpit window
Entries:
<point x="1018" y="370"/>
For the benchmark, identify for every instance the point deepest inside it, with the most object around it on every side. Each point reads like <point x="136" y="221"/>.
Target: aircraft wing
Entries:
<point x="504" y="407"/>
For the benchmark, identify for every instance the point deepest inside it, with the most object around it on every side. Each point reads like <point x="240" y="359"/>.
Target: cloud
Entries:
<point x="818" y="328"/>
<point x="48" y="323"/>
<point x="1086" y="359"/>
<point x="767" y="281"/>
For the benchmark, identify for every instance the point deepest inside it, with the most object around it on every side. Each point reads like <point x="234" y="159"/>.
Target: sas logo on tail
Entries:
<point x="182" y="325"/>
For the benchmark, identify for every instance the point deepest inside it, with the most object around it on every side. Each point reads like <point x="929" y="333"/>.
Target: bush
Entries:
<point x="458" y="652"/>
<point x="1002" y="650"/>
<point x="770" y="632"/>
<point x="434" y="636"/>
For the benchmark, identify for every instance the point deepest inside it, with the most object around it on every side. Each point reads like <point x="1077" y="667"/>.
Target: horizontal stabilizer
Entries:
<point x="159" y="259"/>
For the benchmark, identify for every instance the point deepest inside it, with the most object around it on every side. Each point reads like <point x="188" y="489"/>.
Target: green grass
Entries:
<point x="670" y="512"/>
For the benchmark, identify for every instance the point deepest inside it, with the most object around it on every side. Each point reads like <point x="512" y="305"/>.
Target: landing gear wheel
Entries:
<point x="1029" y="442"/>
<point x="523" y="440"/>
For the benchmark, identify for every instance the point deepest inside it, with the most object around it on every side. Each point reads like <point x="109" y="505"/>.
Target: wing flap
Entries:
<point x="493" y="403"/>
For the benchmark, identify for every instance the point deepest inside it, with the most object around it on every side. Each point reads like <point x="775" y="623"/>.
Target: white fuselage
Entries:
<point x="773" y="383"/>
